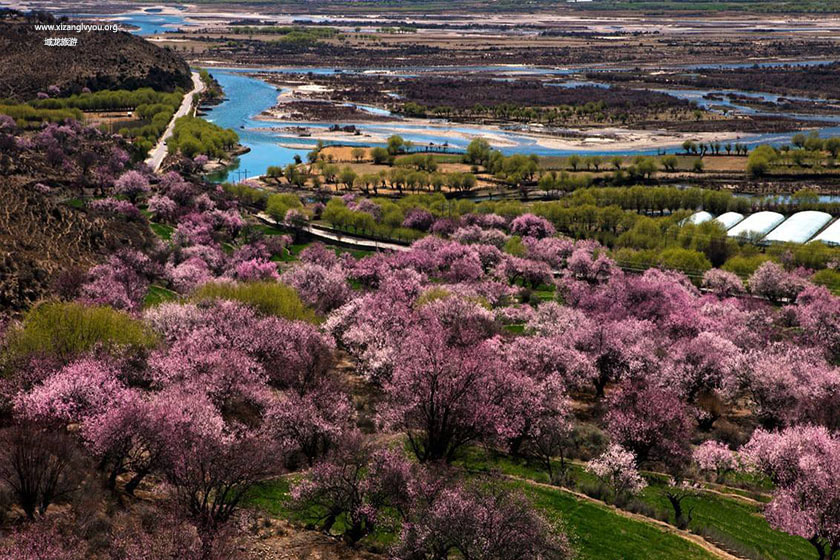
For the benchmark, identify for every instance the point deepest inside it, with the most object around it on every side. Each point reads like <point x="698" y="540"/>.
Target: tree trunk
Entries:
<point x="355" y="534"/>
<point x="600" y="383"/>
<point x="680" y="520"/>
<point x="208" y="538"/>
<point x="112" y="477"/>
<point x="550" y="470"/>
<point x="328" y="523"/>
<point x="516" y="445"/>
<point x="27" y="504"/>
<point x="134" y="482"/>
<point x="820" y="548"/>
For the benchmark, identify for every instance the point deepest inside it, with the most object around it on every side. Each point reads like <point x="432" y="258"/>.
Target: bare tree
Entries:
<point x="39" y="466"/>
<point x="211" y="478"/>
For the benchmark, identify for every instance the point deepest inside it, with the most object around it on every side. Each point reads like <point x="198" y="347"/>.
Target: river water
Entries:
<point x="148" y="21"/>
<point x="247" y="97"/>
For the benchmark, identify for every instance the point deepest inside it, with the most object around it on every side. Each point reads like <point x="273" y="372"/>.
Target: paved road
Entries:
<point x="159" y="152"/>
<point x="327" y="235"/>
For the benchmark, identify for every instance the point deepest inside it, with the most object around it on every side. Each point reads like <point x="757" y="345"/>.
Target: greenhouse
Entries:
<point x="758" y="224"/>
<point x="729" y="219"/>
<point x="799" y="228"/>
<point x="698" y="218"/>
<point x="830" y="235"/>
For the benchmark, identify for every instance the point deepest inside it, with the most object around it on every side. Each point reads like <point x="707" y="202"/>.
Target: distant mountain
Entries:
<point x="99" y="59"/>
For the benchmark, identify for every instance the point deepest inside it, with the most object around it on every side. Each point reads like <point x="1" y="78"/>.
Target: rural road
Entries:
<point x="159" y="152"/>
<point x="327" y="235"/>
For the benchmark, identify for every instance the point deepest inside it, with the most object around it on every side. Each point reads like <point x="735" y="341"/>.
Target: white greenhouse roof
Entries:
<point x="699" y="217"/>
<point x="799" y="228"/>
<point x="760" y="223"/>
<point x="729" y="219"/>
<point x="830" y="235"/>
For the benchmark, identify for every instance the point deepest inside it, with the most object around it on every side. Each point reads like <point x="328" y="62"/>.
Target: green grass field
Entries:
<point x="157" y="295"/>
<point x="163" y="231"/>
<point x="597" y="532"/>
<point x="734" y="525"/>
<point x="271" y="497"/>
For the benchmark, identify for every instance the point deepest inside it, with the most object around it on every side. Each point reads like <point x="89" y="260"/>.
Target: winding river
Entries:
<point x="247" y="97"/>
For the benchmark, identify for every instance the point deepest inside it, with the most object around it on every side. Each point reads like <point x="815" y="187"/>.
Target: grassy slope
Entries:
<point x="737" y="525"/>
<point x="597" y="532"/>
<point x="733" y="524"/>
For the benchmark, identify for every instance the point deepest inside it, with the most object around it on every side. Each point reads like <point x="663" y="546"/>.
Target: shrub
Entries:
<point x="616" y="468"/>
<point x="193" y="135"/>
<point x="40" y="466"/>
<point x="63" y="330"/>
<point x="745" y="265"/>
<point x="722" y="283"/>
<point x="531" y="225"/>
<point x="774" y="283"/>
<point x="828" y="278"/>
<point x="676" y="258"/>
<point x="270" y="298"/>
<point x="246" y="194"/>
<point x="279" y="204"/>
<point x="323" y="288"/>
<point x="760" y="161"/>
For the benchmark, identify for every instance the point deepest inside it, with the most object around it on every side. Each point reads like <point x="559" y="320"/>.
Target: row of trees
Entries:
<point x="658" y="200"/>
<point x="152" y="109"/>
<point x="398" y="178"/>
<point x="110" y="100"/>
<point x="519" y="170"/>
<point x="715" y="148"/>
<point x="807" y="151"/>
<point x="616" y="217"/>
<point x="26" y="116"/>
<point x="586" y="112"/>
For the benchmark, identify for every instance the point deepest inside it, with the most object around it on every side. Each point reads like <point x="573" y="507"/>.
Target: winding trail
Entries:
<point x="157" y="154"/>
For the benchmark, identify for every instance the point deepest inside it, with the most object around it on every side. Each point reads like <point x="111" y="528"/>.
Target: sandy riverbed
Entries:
<point x="592" y="139"/>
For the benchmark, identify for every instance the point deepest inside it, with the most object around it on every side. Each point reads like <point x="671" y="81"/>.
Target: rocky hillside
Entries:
<point x="99" y="60"/>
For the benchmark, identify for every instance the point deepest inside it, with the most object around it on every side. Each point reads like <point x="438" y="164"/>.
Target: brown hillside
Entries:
<point x="40" y="237"/>
<point x="100" y="60"/>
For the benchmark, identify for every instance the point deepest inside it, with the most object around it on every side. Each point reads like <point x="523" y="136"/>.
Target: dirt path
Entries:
<point x="734" y="497"/>
<point x="686" y="535"/>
